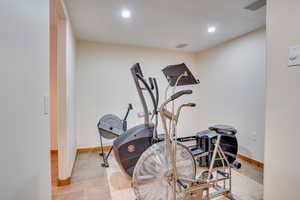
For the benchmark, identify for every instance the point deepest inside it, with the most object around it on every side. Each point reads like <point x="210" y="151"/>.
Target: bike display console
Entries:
<point x="173" y="72"/>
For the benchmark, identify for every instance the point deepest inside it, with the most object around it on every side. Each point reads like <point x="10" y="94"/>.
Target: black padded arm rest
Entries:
<point x="180" y="93"/>
<point x="223" y="129"/>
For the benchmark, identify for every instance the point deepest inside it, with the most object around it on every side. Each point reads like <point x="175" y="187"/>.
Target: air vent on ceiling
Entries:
<point x="180" y="46"/>
<point x="256" y="5"/>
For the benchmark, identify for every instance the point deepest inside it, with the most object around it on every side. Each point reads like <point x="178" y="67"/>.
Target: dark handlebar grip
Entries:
<point x="130" y="107"/>
<point x="156" y="90"/>
<point x="151" y="83"/>
<point x="180" y="93"/>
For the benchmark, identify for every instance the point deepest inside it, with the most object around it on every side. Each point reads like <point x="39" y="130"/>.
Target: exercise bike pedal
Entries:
<point x="179" y="182"/>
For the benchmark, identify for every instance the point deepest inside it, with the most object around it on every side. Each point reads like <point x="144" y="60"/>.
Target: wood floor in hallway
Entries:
<point x="89" y="181"/>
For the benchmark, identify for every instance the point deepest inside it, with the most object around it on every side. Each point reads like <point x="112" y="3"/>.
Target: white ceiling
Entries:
<point x="163" y="23"/>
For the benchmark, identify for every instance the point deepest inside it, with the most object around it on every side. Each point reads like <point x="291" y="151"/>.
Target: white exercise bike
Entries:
<point x="167" y="170"/>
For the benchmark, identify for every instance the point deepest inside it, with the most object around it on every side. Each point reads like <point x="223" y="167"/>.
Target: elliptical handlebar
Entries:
<point x="150" y="92"/>
<point x="138" y="77"/>
<point x="151" y="83"/>
<point x="156" y="92"/>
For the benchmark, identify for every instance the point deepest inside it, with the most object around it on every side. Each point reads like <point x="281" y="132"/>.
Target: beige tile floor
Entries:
<point x="92" y="182"/>
<point x="244" y="188"/>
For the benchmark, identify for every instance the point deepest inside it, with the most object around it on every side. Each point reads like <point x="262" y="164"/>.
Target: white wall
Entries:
<point x="104" y="84"/>
<point x="232" y="89"/>
<point x="24" y="80"/>
<point x="71" y="68"/>
<point x="67" y="140"/>
<point x="282" y="161"/>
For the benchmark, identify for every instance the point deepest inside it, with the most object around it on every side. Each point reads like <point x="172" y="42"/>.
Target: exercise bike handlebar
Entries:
<point x="181" y="106"/>
<point x="176" y="96"/>
<point x="171" y="116"/>
<point x="127" y="112"/>
<point x="180" y="93"/>
<point x="189" y="105"/>
<point x="125" y="117"/>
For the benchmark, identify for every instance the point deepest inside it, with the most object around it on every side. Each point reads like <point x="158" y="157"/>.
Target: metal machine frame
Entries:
<point x="190" y="189"/>
<point x="206" y="181"/>
<point x="111" y="133"/>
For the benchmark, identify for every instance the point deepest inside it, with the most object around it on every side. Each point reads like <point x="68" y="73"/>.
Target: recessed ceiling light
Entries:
<point x="126" y="13"/>
<point x="211" y="29"/>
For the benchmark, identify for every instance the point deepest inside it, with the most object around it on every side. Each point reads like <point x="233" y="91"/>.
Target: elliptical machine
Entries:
<point x="110" y="127"/>
<point x="129" y="146"/>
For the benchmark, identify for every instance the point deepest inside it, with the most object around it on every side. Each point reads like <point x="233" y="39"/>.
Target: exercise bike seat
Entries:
<point x="223" y="129"/>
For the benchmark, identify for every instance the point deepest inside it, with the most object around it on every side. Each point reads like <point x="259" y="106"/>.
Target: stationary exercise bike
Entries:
<point x="110" y="127"/>
<point x="167" y="169"/>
